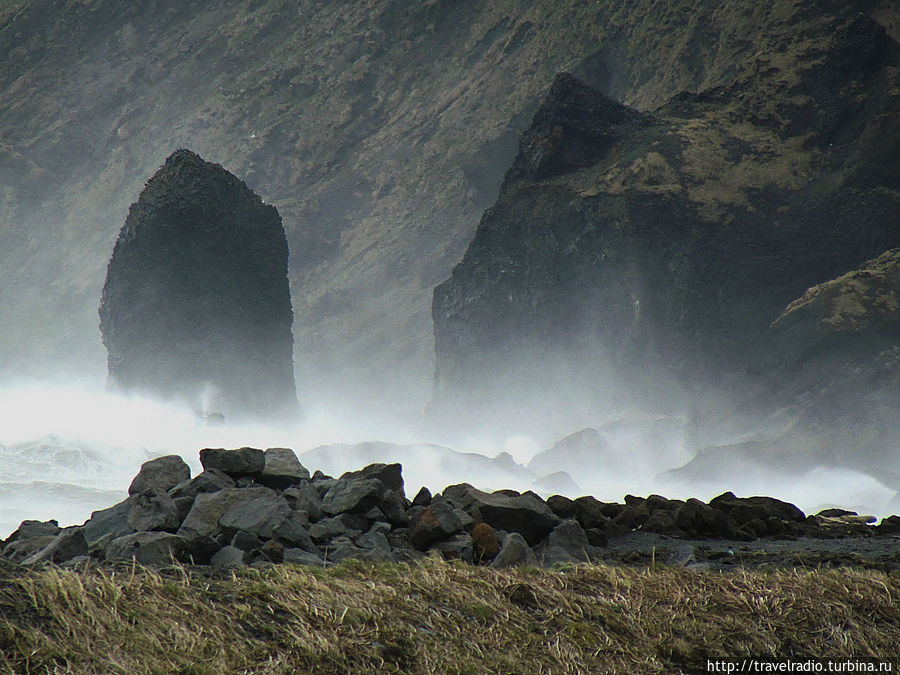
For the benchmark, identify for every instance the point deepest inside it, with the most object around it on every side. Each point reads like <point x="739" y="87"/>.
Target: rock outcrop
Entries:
<point x="213" y="519"/>
<point x="196" y="304"/>
<point x="632" y="255"/>
<point x="835" y="352"/>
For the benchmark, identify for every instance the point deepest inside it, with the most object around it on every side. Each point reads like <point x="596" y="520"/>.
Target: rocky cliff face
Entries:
<point x="381" y="131"/>
<point x="666" y="243"/>
<point x="196" y="303"/>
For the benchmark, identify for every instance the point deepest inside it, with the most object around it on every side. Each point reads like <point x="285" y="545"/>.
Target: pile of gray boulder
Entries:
<point x="262" y="507"/>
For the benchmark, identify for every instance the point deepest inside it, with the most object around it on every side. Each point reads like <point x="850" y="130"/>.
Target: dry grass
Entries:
<point x="436" y="618"/>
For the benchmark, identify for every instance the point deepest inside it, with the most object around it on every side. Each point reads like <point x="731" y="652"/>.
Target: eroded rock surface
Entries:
<point x="196" y="304"/>
<point x="238" y="522"/>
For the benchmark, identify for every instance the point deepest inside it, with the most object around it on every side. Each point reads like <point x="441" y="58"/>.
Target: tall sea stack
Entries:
<point x="196" y="306"/>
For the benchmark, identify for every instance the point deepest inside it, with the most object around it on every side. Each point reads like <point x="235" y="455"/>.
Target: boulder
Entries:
<point x="342" y="548"/>
<point x="163" y="472"/>
<point x="569" y="536"/>
<point x="514" y="552"/>
<point x="662" y="522"/>
<point x="437" y="522"/>
<point x="235" y="463"/>
<point x="562" y="506"/>
<point x="695" y="518"/>
<point x="459" y="546"/>
<point x="391" y="475"/>
<point x="210" y="480"/>
<point x="228" y="556"/>
<point x="196" y="305"/>
<point x="29" y="529"/>
<point x="293" y="532"/>
<point x="273" y="551"/>
<point x="345" y="524"/>
<point x="108" y="524"/>
<point x="423" y="497"/>
<point x="153" y="509"/>
<point x="69" y="543"/>
<point x="526" y="514"/>
<point x="596" y="537"/>
<point x="199" y="550"/>
<point x="393" y="506"/>
<point x="375" y="547"/>
<point x="20" y="549"/>
<point x="633" y="516"/>
<point x="259" y="516"/>
<point x="305" y="497"/>
<point x="889" y="526"/>
<point x="592" y="513"/>
<point x="246" y="541"/>
<point x="743" y="509"/>
<point x="203" y="518"/>
<point x="352" y="495"/>
<point x="146" y="548"/>
<point x="282" y="469"/>
<point x="660" y="503"/>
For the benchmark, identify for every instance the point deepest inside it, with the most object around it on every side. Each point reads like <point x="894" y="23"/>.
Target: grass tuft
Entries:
<point x="435" y="617"/>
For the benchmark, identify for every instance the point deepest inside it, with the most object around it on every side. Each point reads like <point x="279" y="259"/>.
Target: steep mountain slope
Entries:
<point x="380" y="130"/>
<point x="654" y="250"/>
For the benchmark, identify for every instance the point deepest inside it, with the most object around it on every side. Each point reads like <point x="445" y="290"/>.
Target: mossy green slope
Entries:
<point x="379" y="130"/>
<point x="668" y="242"/>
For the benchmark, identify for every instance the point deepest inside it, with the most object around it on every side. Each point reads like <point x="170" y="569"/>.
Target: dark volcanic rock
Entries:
<point x="514" y="552"/>
<point x="236" y="463"/>
<point x="743" y="509"/>
<point x="525" y="513"/>
<point x="228" y="556"/>
<point x="889" y="525"/>
<point x="196" y="302"/>
<point x="208" y="508"/>
<point x="28" y="529"/>
<point x="304" y="497"/>
<point x="562" y="506"/>
<point x="210" y="480"/>
<point x="163" y="472"/>
<point x="623" y="239"/>
<point x="282" y="469"/>
<point x="107" y="524"/>
<point x="423" y="497"/>
<point x="68" y="544"/>
<point x="695" y="518"/>
<point x="437" y="522"/>
<point x="357" y="494"/>
<point x="260" y="516"/>
<point x="146" y="548"/>
<point x="389" y="474"/>
<point x="348" y="524"/>
<point x="570" y="538"/>
<point x="153" y="509"/>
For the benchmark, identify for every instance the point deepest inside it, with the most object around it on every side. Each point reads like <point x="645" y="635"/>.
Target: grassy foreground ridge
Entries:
<point x="436" y="617"/>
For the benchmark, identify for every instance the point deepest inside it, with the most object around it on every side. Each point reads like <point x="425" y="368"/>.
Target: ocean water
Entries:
<point x="68" y="450"/>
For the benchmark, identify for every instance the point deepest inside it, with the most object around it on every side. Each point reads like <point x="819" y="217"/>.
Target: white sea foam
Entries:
<point x="67" y="450"/>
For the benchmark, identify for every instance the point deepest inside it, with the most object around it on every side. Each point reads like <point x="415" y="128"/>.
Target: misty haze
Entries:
<point x="572" y="249"/>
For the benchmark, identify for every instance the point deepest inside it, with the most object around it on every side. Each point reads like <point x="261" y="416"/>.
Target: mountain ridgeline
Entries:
<point x="381" y="131"/>
<point x="657" y="183"/>
<point x="655" y="250"/>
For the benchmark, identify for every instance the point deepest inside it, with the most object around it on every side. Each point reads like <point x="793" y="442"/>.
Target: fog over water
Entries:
<point x="68" y="449"/>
